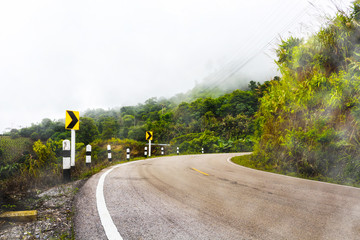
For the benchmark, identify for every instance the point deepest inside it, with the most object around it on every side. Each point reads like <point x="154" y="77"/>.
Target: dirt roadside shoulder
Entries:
<point x="54" y="219"/>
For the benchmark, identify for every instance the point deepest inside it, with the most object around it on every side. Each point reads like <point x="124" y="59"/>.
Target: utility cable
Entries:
<point x="235" y="70"/>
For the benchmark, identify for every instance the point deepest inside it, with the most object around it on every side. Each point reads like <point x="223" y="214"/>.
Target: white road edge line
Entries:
<point x="110" y="229"/>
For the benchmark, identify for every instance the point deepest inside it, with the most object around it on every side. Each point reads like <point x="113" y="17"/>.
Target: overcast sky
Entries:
<point x="86" y="54"/>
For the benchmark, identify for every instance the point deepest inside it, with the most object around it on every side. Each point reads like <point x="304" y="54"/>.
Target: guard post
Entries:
<point x="162" y="151"/>
<point x="88" y="155"/>
<point x="128" y="154"/>
<point x="109" y="153"/>
<point x="66" y="161"/>
<point x="177" y="151"/>
<point x="202" y="150"/>
<point x="145" y="152"/>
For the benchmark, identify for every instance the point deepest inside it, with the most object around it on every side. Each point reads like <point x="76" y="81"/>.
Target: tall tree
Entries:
<point x="88" y="131"/>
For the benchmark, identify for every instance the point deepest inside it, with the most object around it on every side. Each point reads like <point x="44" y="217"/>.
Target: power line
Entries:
<point x="225" y="73"/>
<point x="252" y="42"/>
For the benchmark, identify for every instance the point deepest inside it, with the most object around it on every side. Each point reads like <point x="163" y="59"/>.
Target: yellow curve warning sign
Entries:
<point x="72" y="120"/>
<point x="149" y="135"/>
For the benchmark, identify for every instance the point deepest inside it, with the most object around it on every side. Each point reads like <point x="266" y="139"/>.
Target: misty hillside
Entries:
<point x="214" y="86"/>
<point x="32" y="156"/>
<point x="309" y="122"/>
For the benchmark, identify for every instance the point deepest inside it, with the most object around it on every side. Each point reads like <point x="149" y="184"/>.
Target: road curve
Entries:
<point x="208" y="197"/>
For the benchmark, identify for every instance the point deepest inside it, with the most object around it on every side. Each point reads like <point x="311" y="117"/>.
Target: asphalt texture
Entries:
<point x="208" y="197"/>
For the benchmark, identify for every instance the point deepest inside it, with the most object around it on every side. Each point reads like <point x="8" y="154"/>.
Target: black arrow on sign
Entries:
<point x="149" y="136"/>
<point x="74" y="120"/>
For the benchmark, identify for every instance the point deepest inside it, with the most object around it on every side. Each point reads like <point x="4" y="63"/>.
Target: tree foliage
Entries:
<point x="88" y="131"/>
<point x="229" y="119"/>
<point x="308" y="122"/>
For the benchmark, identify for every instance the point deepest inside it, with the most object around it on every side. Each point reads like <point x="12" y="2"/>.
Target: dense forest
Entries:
<point x="228" y="118"/>
<point x="215" y="124"/>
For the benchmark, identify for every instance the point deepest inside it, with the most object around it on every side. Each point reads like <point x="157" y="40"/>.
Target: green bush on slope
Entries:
<point x="309" y="121"/>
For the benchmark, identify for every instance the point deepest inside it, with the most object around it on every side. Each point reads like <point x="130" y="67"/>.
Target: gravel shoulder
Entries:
<point x="55" y="215"/>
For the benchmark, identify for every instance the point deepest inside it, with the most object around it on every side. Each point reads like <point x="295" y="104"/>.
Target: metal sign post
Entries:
<point x="149" y="136"/>
<point x="73" y="148"/>
<point x="149" y="148"/>
<point x="72" y="122"/>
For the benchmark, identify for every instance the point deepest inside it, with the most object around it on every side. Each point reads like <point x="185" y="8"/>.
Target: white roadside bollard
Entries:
<point x="128" y="154"/>
<point x="202" y="150"/>
<point x="145" y="152"/>
<point x="66" y="161"/>
<point x="162" y="151"/>
<point x="88" y="155"/>
<point x="177" y="151"/>
<point x="109" y="153"/>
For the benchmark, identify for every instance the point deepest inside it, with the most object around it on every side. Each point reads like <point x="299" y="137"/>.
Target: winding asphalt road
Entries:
<point x="208" y="197"/>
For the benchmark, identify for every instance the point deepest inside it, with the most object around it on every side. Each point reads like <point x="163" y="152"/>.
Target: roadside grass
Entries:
<point x="248" y="161"/>
<point x="92" y="170"/>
